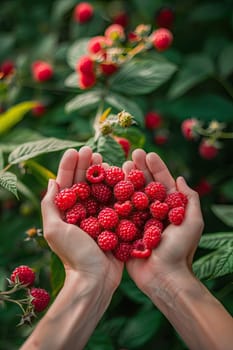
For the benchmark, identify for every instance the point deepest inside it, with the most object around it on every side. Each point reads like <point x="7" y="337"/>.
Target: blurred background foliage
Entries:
<point x="201" y="88"/>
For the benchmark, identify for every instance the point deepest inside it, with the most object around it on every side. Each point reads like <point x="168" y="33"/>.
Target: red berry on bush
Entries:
<point x="203" y="187"/>
<point x="121" y="18"/>
<point x="125" y="144"/>
<point x="115" y="32"/>
<point x="108" y="68"/>
<point x="165" y="17"/>
<point x="42" y="71"/>
<point x="24" y="274"/>
<point x="39" y="110"/>
<point x="97" y="44"/>
<point x="41" y="299"/>
<point x="83" y="12"/>
<point x="162" y="39"/>
<point x="85" y="65"/>
<point x="161" y="138"/>
<point x="187" y="128"/>
<point x="153" y="120"/>
<point x="86" y="81"/>
<point x="207" y="149"/>
<point x="7" y="67"/>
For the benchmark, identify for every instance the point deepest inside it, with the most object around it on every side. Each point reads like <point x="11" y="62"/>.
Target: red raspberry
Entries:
<point x="123" y="190"/>
<point x="153" y="222"/>
<point x="75" y="214"/>
<point x="97" y="44"/>
<point x="139" y="218"/>
<point x="153" y="120"/>
<point x="113" y="175"/>
<point x="139" y="250"/>
<point x="91" y="226"/>
<point x="108" y="218"/>
<point x="121" y="18"/>
<point x="155" y="190"/>
<point x="82" y="190"/>
<point x="123" y="209"/>
<point x="65" y="199"/>
<point x="85" y="65"/>
<point x="114" y="32"/>
<point x="207" y="150"/>
<point x="176" y="215"/>
<point x="140" y="200"/>
<point x="42" y="71"/>
<point x="122" y="251"/>
<point x="7" y="67"/>
<point x="39" y="110"/>
<point x="24" y="275"/>
<point x="203" y="187"/>
<point x="137" y="178"/>
<point x="95" y="173"/>
<point x="161" y="137"/>
<point x="165" y="17"/>
<point x="187" y="128"/>
<point x="91" y="206"/>
<point x="108" y="68"/>
<point x="162" y="39"/>
<point x="126" y="230"/>
<point x="101" y="192"/>
<point x="159" y="210"/>
<point x="107" y="240"/>
<point x="83" y="12"/>
<point x="176" y="199"/>
<point x="125" y="144"/>
<point x="41" y="299"/>
<point x="152" y="237"/>
<point x="86" y="81"/>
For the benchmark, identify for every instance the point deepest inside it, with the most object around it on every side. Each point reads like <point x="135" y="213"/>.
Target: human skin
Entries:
<point x="91" y="275"/>
<point x="166" y="277"/>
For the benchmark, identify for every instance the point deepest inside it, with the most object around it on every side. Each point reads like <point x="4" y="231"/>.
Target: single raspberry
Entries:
<point x="108" y="218"/>
<point x="86" y="81"/>
<point x="82" y="190"/>
<point x="203" y="187"/>
<point x="123" y="209"/>
<point x="153" y="120"/>
<point x="139" y="250"/>
<point x="40" y="300"/>
<point x="38" y="110"/>
<point x="133" y="37"/>
<point x="188" y="128"/>
<point x="91" y="226"/>
<point x="159" y="210"/>
<point x="126" y="230"/>
<point x="97" y="44"/>
<point x="176" y="215"/>
<point x="101" y="192"/>
<point x="152" y="237"/>
<point x="85" y="65"/>
<point x="175" y="199"/>
<point x="65" y="199"/>
<point x="123" y="190"/>
<point x="91" y="206"/>
<point x="83" y="12"/>
<point x="113" y="175"/>
<point x="108" y="68"/>
<point x="140" y="217"/>
<point x="121" y="18"/>
<point x="42" y="71"/>
<point x="162" y="38"/>
<point x="75" y="214"/>
<point x="107" y="240"/>
<point x="24" y="274"/>
<point x="137" y="178"/>
<point x="155" y="190"/>
<point x="7" y="67"/>
<point x="140" y="200"/>
<point x="95" y="173"/>
<point x="153" y="222"/>
<point x="161" y="137"/>
<point x="207" y="149"/>
<point x="165" y="17"/>
<point x="122" y="251"/>
<point x="114" y="32"/>
<point x="124" y="143"/>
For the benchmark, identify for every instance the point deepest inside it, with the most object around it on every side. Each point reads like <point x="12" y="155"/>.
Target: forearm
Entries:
<point x="199" y="318"/>
<point x="71" y="319"/>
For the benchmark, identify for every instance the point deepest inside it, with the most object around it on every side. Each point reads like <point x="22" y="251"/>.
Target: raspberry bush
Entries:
<point x="116" y="76"/>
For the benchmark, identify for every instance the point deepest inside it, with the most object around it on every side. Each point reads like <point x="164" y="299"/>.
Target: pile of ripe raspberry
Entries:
<point x="125" y="216"/>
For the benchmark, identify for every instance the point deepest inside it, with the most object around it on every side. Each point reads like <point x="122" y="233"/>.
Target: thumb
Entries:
<point x="48" y="208"/>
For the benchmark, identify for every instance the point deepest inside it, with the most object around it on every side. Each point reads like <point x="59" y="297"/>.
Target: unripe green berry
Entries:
<point x="106" y="128"/>
<point x="125" y="119"/>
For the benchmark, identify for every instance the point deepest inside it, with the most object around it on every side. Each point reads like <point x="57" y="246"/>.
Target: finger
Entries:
<point x="84" y="161"/>
<point x="160" y="171"/>
<point x="66" y="169"/>
<point x="128" y="166"/>
<point x="96" y="158"/>
<point x="139" y="158"/>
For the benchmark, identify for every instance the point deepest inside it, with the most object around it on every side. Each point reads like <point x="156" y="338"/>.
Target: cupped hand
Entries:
<point x="175" y="252"/>
<point x="76" y="249"/>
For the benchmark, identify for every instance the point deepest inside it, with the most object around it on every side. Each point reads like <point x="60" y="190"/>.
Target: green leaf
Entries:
<point x="141" y="76"/>
<point x="99" y="341"/>
<point x="1" y="159"/>
<point x="147" y="7"/>
<point x="8" y="181"/>
<point x="41" y="173"/>
<point x="227" y="189"/>
<point x="215" y="240"/>
<point x="215" y="264"/>
<point x="122" y="103"/>
<point x="84" y="102"/>
<point x="72" y="80"/>
<point x="140" y="328"/>
<point x="14" y="115"/>
<point x="194" y="70"/>
<point x="226" y="61"/>
<point x="110" y="150"/>
<point x="224" y="213"/>
<point x="208" y="12"/>
<point x="57" y="274"/>
<point x="77" y="50"/>
<point x="60" y="7"/>
<point x="32" y="149"/>
<point x="26" y="192"/>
